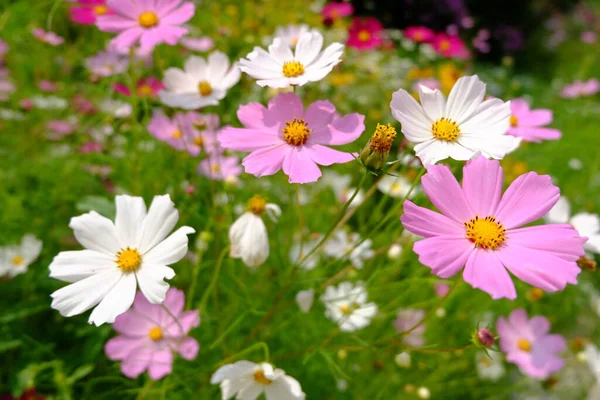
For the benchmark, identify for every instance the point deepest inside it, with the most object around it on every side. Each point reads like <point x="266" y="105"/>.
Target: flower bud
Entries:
<point x="484" y="337"/>
<point x="586" y="263"/>
<point x="376" y="152"/>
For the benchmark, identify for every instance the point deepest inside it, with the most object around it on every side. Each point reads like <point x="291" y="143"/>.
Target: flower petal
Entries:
<point x="131" y="212"/>
<point x="170" y="250"/>
<point x="485" y="271"/>
<point x="445" y="255"/>
<point x="73" y="266"/>
<point x="161" y="219"/>
<point x="150" y="278"/>
<point x="482" y="184"/>
<point x="465" y="97"/>
<point x="97" y="233"/>
<point x="446" y="194"/>
<point x="116" y="301"/>
<point x="427" y="223"/>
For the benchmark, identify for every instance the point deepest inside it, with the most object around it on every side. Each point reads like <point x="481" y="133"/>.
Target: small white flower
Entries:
<point x="248" y="234"/>
<point x="396" y="186"/>
<point x="592" y="357"/>
<point x="423" y="393"/>
<point x="247" y="381"/>
<point x="587" y="224"/>
<point x="343" y="245"/>
<point x="291" y="33"/>
<point x="134" y="250"/>
<point x="394" y="252"/>
<point x="347" y="306"/>
<point x="49" y="102"/>
<point x="576" y="164"/>
<point x="305" y="299"/>
<point x="116" y="108"/>
<point x="457" y="128"/>
<point x="14" y="260"/>
<point x="403" y="360"/>
<point x="280" y="67"/>
<point x="201" y="83"/>
<point x="489" y="368"/>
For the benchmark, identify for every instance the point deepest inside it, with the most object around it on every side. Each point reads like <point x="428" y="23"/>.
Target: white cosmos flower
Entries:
<point x="457" y="128"/>
<point x="587" y="224"/>
<point x="291" y="33"/>
<point x="304" y="299"/>
<point x="347" y="306"/>
<point x="592" y="357"/>
<point x="248" y="235"/>
<point x="489" y="368"/>
<point x="134" y="250"/>
<point x="201" y="83"/>
<point x="280" y="67"/>
<point x="396" y="186"/>
<point x="343" y="245"/>
<point x="247" y="381"/>
<point x="14" y="260"/>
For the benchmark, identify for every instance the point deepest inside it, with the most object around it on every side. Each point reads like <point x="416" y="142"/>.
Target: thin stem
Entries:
<point x="174" y="319"/>
<point x="213" y="281"/>
<point x="248" y="350"/>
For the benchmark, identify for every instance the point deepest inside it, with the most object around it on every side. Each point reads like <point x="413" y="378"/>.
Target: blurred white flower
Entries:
<point x="423" y="393"/>
<point x="403" y="360"/>
<point x="304" y="299"/>
<point x="343" y="245"/>
<point x="299" y="251"/>
<point x="592" y="357"/>
<point x="489" y="368"/>
<point x="576" y="164"/>
<point x="340" y="184"/>
<point x="394" y="252"/>
<point x="14" y="260"/>
<point x="291" y="33"/>
<point x="396" y="186"/>
<point x="347" y="306"/>
<point x="587" y="224"/>
<point x="49" y="102"/>
<point x="116" y="108"/>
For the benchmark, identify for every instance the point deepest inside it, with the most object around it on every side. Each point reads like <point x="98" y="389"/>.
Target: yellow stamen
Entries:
<point x="204" y="88"/>
<point x="145" y="90"/>
<point x="445" y="45"/>
<point x="486" y="232"/>
<point x="292" y="69"/>
<point x="523" y="344"/>
<point x="148" y="19"/>
<point x="17" y="260"/>
<point x="513" y="121"/>
<point x="100" y="10"/>
<point x="198" y="141"/>
<point x="129" y="260"/>
<point x="445" y="129"/>
<point x="296" y="132"/>
<point x="536" y="293"/>
<point x="364" y="36"/>
<point x="156" y="333"/>
<point x="395" y="187"/>
<point x="257" y="204"/>
<point x="418" y="36"/>
<point x="215" y="168"/>
<point x="382" y="139"/>
<point x="345" y="309"/>
<point x="177" y="134"/>
<point x="259" y="376"/>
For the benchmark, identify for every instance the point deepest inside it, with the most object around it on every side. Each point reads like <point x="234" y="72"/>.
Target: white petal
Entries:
<point x="560" y="213"/>
<point x="150" y="278"/>
<point x="308" y="47"/>
<point x="230" y="79"/>
<point x="251" y="391"/>
<point x="170" y="250"/>
<point x="492" y="146"/>
<point x="176" y="80"/>
<point x="73" y="266"/>
<point x="196" y="68"/>
<point x="431" y="151"/>
<point x="593" y="244"/>
<point x="416" y="126"/>
<point x="96" y="232"/>
<point x="457" y="152"/>
<point x="218" y="65"/>
<point x="159" y="222"/>
<point x="587" y="224"/>
<point x="130" y="216"/>
<point x="236" y="232"/>
<point x="254" y="243"/>
<point x="232" y="371"/>
<point x="116" y="302"/>
<point x="492" y="117"/>
<point x="187" y="101"/>
<point x="329" y="57"/>
<point x="433" y="101"/>
<point x="280" y="51"/>
<point x="30" y="248"/>
<point x="305" y="299"/>
<point x="466" y="95"/>
<point x="278" y="83"/>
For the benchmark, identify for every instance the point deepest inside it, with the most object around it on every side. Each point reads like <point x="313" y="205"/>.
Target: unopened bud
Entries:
<point x="376" y="152"/>
<point x="586" y="263"/>
<point x="484" y="337"/>
<point x="534" y="294"/>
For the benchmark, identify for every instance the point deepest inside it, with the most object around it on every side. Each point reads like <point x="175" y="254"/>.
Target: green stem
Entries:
<point x="248" y="350"/>
<point x="213" y="281"/>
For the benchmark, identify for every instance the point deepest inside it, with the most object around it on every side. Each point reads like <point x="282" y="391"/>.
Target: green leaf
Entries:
<point x="79" y="373"/>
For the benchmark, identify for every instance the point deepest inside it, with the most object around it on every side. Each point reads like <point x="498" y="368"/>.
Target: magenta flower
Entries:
<point x="405" y="320"/>
<point x="528" y="124"/>
<point x="47" y="86"/>
<point x="149" y="22"/>
<point x="220" y="167"/>
<point x="478" y="229"/>
<point x="146" y="87"/>
<point x="450" y="46"/>
<point x="87" y="11"/>
<point x="47" y="37"/>
<point x="334" y="10"/>
<point x="527" y="343"/>
<point x="365" y="34"/>
<point x="285" y="136"/>
<point x="419" y="34"/>
<point x="149" y="335"/>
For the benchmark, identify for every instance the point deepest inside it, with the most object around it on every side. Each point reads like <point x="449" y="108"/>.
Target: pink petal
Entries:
<point x="241" y="139"/>
<point x="535" y="118"/>
<point x="127" y="8"/>
<point x="535" y="134"/>
<point x="133" y="323"/>
<point x="539" y="325"/>
<point x="446" y="194"/>
<point x="424" y="222"/>
<point x="180" y="16"/>
<point x="527" y="199"/>
<point x="137" y="361"/>
<point x="161" y="364"/>
<point x="127" y="38"/>
<point x="266" y="161"/>
<point x="115" y="23"/>
<point x="251" y="115"/>
<point x="319" y="113"/>
<point x="519" y="107"/>
<point x="323" y="155"/>
<point x="298" y="165"/>
<point x="174" y="302"/>
<point x="482" y="184"/>
<point x="118" y="348"/>
<point x="445" y="255"/>
<point x="560" y="240"/>
<point x="484" y="271"/>
<point x="142" y="306"/>
<point x="341" y="131"/>
<point x="188" y="349"/>
<point x="285" y="107"/>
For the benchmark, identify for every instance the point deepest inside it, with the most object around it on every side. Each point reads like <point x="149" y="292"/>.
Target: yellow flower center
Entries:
<point x="418" y="36"/>
<point x="445" y="45"/>
<point x="382" y="139"/>
<point x="485" y="232"/>
<point x="523" y="344"/>
<point x="259" y="376"/>
<point x="156" y="333"/>
<point x="145" y="90"/>
<point x="485" y="362"/>
<point x="129" y="260"/>
<point x="100" y="10"/>
<point x="536" y="293"/>
<point x="177" y="134"/>
<point x="215" y="168"/>
<point x="395" y="187"/>
<point x="257" y="204"/>
<point x="296" y="132"/>
<point x="345" y="309"/>
<point x="364" y="35"/>
<point x="514" y="121"/>
<point x="148" y="19"/>
<point x="292" y="69"/>
<point x="17" y="260"/>
<point x="294" y="41"/>
<point x="445" y="129"/>
<point x="204" y="88"/>
<point x="198" y="141"/>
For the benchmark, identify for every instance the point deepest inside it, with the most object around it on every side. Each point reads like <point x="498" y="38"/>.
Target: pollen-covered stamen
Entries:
<point x="129" y="260"/>
<point x="523" y="344"/>
<point x="345" y="309"/>
<point x="215" y="168"/>
<point x="204" y="88"/>
<point x="382" y="139"/>
<point x="17" y="260"/>
<point x="198" y="141"/>
<point x="145" y="90"/>
<point x="100" y="10"/>
<point x="292" y="69"/>
<point x="257" y="204"/>
<point x="445" y="129"/>
<point x="156" y="333"/>
<point x="176" y="134"/>
<point x="148" y="19"/>
<point x="514" y="121"/>
<point x="486" y="233"/>
<point x="259" y="376"/>
<point x="296" y="132"/>
<point x="364" y="35"/>
<point x="445" y="45"/>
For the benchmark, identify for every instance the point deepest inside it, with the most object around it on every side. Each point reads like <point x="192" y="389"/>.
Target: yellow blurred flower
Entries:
<point x="419" y="73"/>
<point x="341" y="78"/>
<point x="448" y="73"/>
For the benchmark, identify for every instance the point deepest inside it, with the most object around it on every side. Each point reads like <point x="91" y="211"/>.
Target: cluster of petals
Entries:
<point x="528" y="124"/>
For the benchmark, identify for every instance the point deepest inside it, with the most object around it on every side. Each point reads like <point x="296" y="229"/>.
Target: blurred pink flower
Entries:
<point x="405" y="320"/>
<point x="478" y="229"/>
<point x="26" y="104"/>
<point x="365" y="34"/>
<point x="528" y="344"/>
<point x="146" y="87"/>
<point x="47" y="86"/>
<point x="90" y="147"/>
<point x="589" y="37"/>
<point x="419" y="34"/>
<point x="3" y="48"/>
<point x="147" y="22"/>
<point x="285" y="136"/>
<point x="107" y="63"/>
<point x="6" y="88"/>
<point x="204" y="43"/>
<point x="220" y="167"/>
<point x="47" y="37"/>
<point x="528" y="124"/>
<point x="83" y="105"/>
<point x="441" y="289"/>
<point x="59" y="128"/>
<point x="87" y="11"/>
<point x="179" y="132"/>
<point x="208" y="121"/>
<point x="450" y="46"/>
<point x="149" y="335"/>
<point x="336" y="10"/>
<point x="579" y="89"/>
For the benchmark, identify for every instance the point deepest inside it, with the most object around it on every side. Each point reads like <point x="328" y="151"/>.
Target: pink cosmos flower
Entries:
<point x="146" y="87"/>
<point x="478" y="229"/>
<point x="204" y="43"/>
<point x="6" y="88"/>
<point x="87" y="11"/>
<point x="285" y="136"/>
<point x="26" y="104"/>
<point x="405" y="320"/>
<point x="60" y="128"/>
<point x="579" y="89"/>
<point x="528" y="124"/>
<point x="441" y="289"/>
<point x="107" y="63"/>
<point x="334" y="10"/>
<point x="209" y="121"/>
<point x="589" y="37"/>
<point x="450" y="46"/>
<point x="47" y="37"/>
<point x="90" y="147"/>
<point x="527" y="343"/>
<point x="149" y="335"/>
<point x="419" y="34"/>
<point x="179" y="132"/>
<point x="47" y="86"/>
<point x="83" y="105"/>
<point x="220" y="167"/>
<point x="365" y="34"/>
<point x="149" y="22"/>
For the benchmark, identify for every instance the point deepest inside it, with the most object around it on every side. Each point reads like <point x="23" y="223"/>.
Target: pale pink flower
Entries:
<point x="527" y="343"/>
<point x="220" y="167"/>
<point x="478" y="229"/>
<point x="285" y="136"/>
<point x="405" y="321"/>
<point x="107" y="63"/>
<point x="148" y="22"/>
<point x="60" y="128"/>
<point x="441" y="289"/>
<point x="6" y="88"/>
<point x="150" y="334"/>
<point x="204" y="43"/>
<point x="528" y="124"/>
<point x="589" y="37"/>
<point x="90" y="147"/>
<point x="47" y="37"/>
<point x="180" y="133"/>
<point x="47" y="86"/>
<point x="3" y="48"/>
<point x="579" y="89"/>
